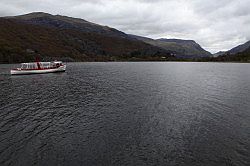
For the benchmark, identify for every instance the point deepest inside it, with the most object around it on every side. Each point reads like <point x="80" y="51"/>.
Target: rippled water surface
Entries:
<point x="171" y="114"/>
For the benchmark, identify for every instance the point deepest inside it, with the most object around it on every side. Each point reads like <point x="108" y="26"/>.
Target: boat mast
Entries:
<point x="38" y="63"/>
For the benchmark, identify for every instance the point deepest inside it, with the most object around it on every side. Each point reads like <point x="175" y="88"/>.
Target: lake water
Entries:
<point x="183" y="114"/>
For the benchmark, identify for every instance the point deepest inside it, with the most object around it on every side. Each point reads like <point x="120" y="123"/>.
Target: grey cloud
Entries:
<point x="216" y="25"/>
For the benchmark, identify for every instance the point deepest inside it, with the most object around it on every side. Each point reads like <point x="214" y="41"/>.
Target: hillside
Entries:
<point x="25" y="37"/>
<point x="181" y="48"/>
<point x="240" y="48"/>
<point x="239" y="53"/>
<point x="239" y="57"/>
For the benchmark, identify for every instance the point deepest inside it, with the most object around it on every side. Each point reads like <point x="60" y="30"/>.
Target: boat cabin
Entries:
<point x="41" y="65"/>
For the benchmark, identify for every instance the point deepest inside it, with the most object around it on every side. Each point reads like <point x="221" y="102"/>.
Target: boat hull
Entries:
<point x="38" y="71"/>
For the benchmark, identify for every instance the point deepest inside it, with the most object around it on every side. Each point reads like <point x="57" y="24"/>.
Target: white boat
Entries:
<point x="39" y="68"/>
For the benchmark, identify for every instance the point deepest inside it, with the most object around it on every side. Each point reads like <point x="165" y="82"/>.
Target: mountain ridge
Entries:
<point x="66" y="22"/>
<point x="181" y="48"/>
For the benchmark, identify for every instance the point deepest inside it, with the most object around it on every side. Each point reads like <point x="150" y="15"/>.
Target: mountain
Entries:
<point x="239" y="53"/>
<point x="25" y="37"/>
<point x="181" y="48"/>
<point x="239" y="48"/>
<point x="243" y="56"/>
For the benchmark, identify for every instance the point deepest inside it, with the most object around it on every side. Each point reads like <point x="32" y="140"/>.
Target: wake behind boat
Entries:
<point x="39" y="68"/>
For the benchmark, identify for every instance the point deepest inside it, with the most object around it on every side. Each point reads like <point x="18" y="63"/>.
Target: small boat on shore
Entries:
<point x="39" y="68"/>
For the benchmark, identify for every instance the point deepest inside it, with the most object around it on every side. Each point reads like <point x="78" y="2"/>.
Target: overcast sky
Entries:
<point x="215" y="24"/>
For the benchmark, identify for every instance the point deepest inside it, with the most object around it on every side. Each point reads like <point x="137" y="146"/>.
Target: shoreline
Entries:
<point x="142" y="61"/>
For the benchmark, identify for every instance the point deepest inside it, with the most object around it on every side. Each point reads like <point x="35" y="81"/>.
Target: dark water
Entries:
<point x="127" y="114"/>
